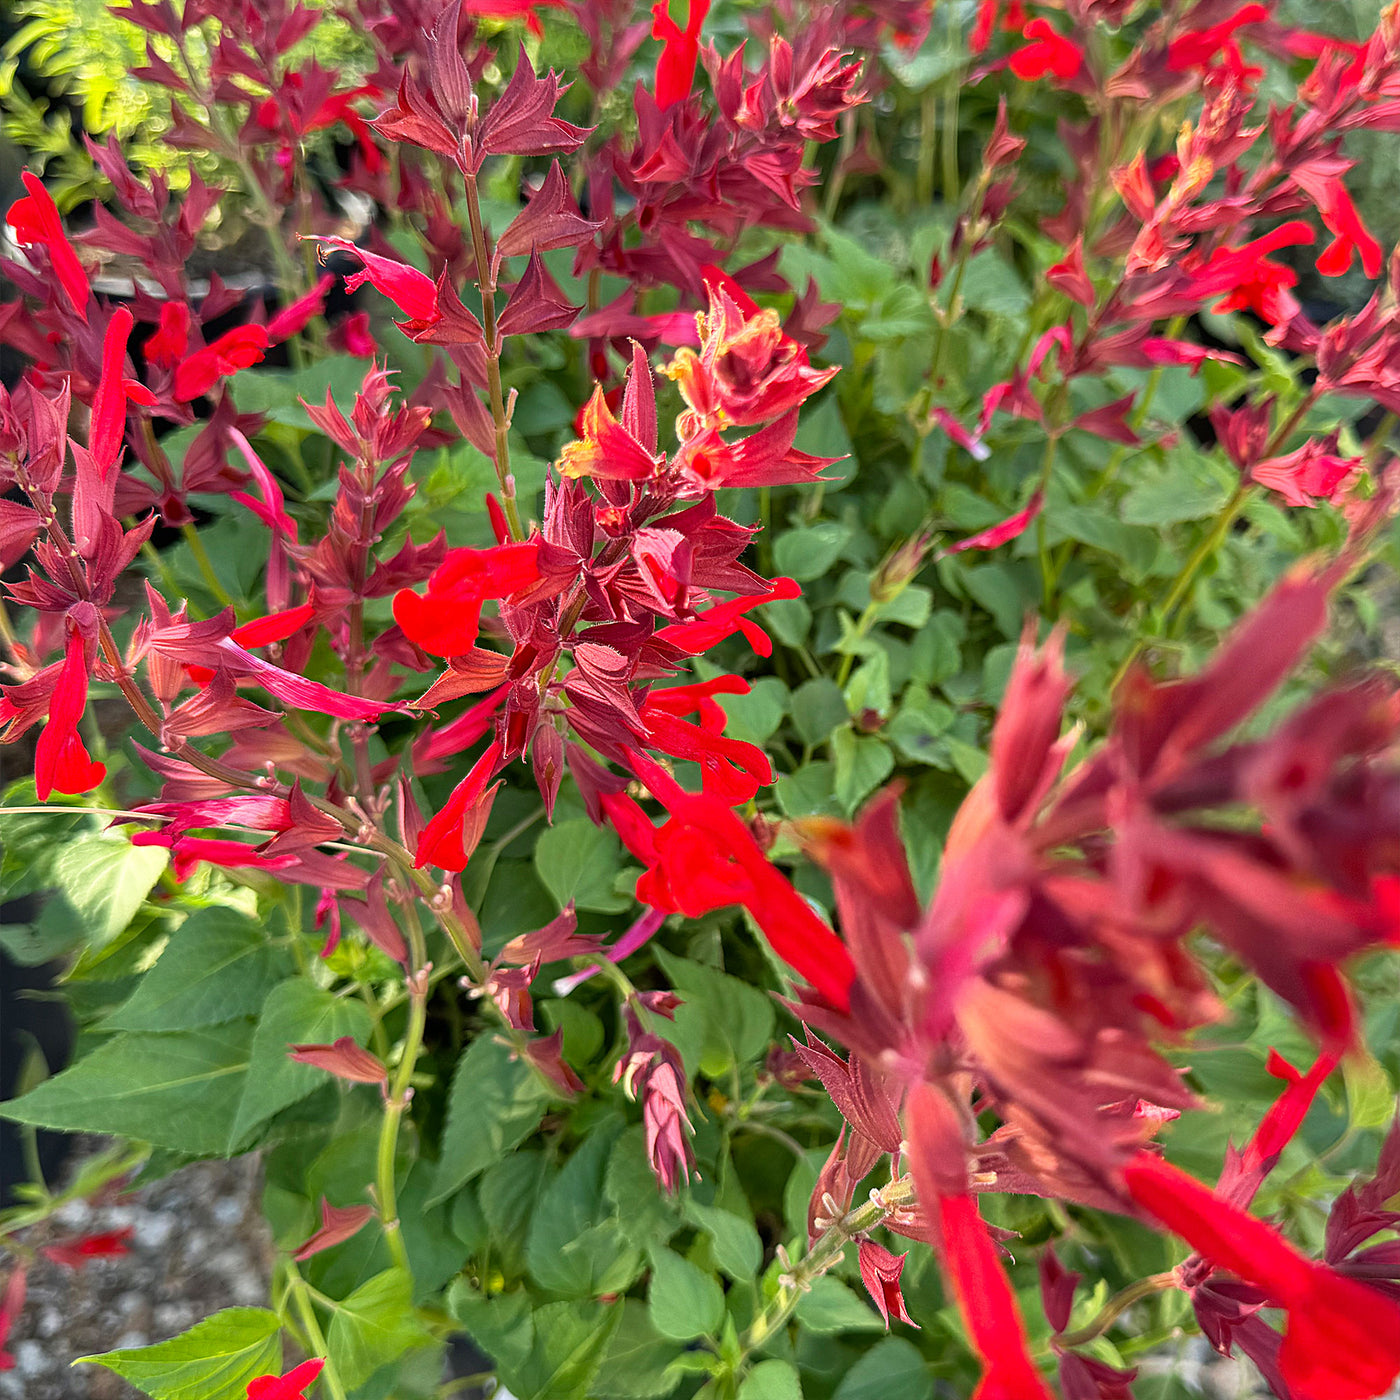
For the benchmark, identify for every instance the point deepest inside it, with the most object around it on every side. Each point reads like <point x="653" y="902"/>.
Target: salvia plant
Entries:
<point x="736" y="710"/>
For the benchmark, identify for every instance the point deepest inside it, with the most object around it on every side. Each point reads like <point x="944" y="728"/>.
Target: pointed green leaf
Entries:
<point x="217" y="967"/>
<point x="179" y="1091"/>
<point x="684" y="1301"/>
<point x="104" y="879"/>
<point x="375" y="1325"/>
<point x="772" y="1380"/>
<point x="495" y="1103"/>
<point x="294" y="1013"/>
<point x="214" y="1360"/>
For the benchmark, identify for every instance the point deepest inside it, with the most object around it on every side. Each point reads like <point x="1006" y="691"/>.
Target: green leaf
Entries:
<point x="375" y="1325"/>
<point x="810" y="551"/>
<point x="684" y="1302"/>
<point x="991" y="284"/>
<point x="831" y="1307"/>
<point x="721" y="1021"/>
<point x="575" y="1245"/>
<point x="294" y="1013"/>
<point x="917" y="728"/>
<point x="636" y="1365"/>
<point x="1179" y="493"/>
<point x="104" y="879"/>
<point x="809" y="791"/>
<point x="863" y="762"/>
<point x="217" y="966"/>
<point x="738" y="1249"/>
<point x="892" y="1369"/>
<point x="772" y="1380"/>
<point x="1370" y="1097"/>
<point x="179" y="1090"/>
<point x="817" y="708"/>
<point x="495" y="1103"/>
<point x="577" y="860"/>
<point x="214" y="1360"/>
<point x="570" y="1341"/>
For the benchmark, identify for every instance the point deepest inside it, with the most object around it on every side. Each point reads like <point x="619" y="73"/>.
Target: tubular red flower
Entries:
<point x="443" y="840"/>
<point x="234" y="350"/>
<point x="445" y="619"/>
<point x="113" y="391"/>
<point x="61" y="762"/>
<point x="680" y="51"/>
<point x="165" y="347"/>
<point x="1003" y="532"/>
<point x="1049" y="52"/>
<point x="705" y="858"/>
<point x="288" y="1387"/>
<point x="73" y="1254"/>
<point x="413" y="292"/>
<point x="34" y="219"/>
<point x="987" y="1304"/>
<point x="1342" y="1340"/>
<point x="344" y="1059"/>
<point x="712" y="626"/>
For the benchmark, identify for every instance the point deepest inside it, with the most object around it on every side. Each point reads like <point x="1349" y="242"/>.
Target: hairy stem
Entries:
<point x="486" y="280"/>
<point x="1116" y="1307"/>
<point x="306" y="1312"/>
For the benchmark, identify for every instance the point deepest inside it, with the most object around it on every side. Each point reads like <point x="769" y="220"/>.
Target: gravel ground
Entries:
<point x="198" y="1244"/>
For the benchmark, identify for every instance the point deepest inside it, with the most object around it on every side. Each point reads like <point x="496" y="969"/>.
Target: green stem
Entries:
<point x="1116" y="1307"/>
<point x="952" y="186"/>
<point x="1049" y="574"/>
<point x="830" y="1245"/>
<point x="487" y="283"/>
<point x="396" y="1101"/>
<point x="928" y="135"/>
<point x="301" y="1298"/>
<point x="205" y="564"/>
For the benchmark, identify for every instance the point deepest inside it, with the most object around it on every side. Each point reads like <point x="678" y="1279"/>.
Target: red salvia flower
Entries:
<point x="680" y="50"/>
<point x="449" y="839"/>
<point x="1250" y="280"/>
<point x="712" y="626"/>
<point x="35" y="220"/>
<point x="73" y="1254"/>
<point x="1004" y="531"/>
<point x="234" y="350"/>
<point x="445" y="619"/>
<point x="604" y="448"/>
<point x="413" y="292"/>
<point x="292" y="1386"/>
<point x="61" y="762"/>
<point x="165" y="347"/>
<point x="705" y="858"/>
<point x="113" y="391"/>
<point x="512" y="9"/>
<point x="1350" y="236"/>
<point x="1048" y="52"/>
<point x="1343" y="1338"/>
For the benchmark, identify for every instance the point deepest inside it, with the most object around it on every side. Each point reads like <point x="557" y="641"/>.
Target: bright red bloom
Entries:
<point x="165" y="347"/>
<point x="705" y="858"/>
<point x="987" y="1304"/>
<point x="294" y="317"/>
<point x="61" y="763"/>
<point x="34" y="219"/>
<point x="1196" y="48"/>
<point x="74" y="1254"/>
<point x="1250" y="281"/>
<point x="1343" y="1339"/>
<point x="1349" y="232"/>
<point x="733" y="769"/>
<point x="1049" y="52"/>
<point x="724" y="619"/>
<point x="449" y="839"/>
<point x="234" y="350"/>
<point x="413" y="292"/>
<point x="113" y="391"/>
<point x="675" y="69"/>
<point x="288" y="1387"/>
<point x="444" y="620"/>
<point x="189" y="852"/>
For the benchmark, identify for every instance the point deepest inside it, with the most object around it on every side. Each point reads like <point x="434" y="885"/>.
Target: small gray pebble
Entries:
<point x="31" y="1359"/>
<point x="130" y="1339"/>
<point x="153" y="1231"/>
<point x="50" y="1322"/>
<point x="73" y="1214"/>
<point x="228" y="1211"/>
